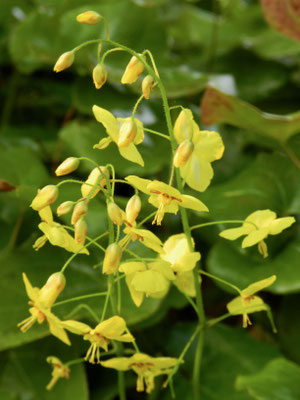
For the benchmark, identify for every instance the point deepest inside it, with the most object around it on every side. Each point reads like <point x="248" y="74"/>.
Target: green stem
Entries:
<point x="110" y="51"/>
<point x="220" y="280"/>
<point x="86" y="296"/>
<point x="215" y="321"/>
<point x="136" y="106"/>
<point x="146" y="219"/>
<point x="106" y="302"/>
<point x="73" y="362"/>
<point x="237" y="221"/>
<point x="156" y="133"/>
<point x="192" y="303"/>
<point x="86" y="307"/>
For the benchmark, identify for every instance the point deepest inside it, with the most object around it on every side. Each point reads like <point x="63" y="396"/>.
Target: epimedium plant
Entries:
<point x="173" y="262"/>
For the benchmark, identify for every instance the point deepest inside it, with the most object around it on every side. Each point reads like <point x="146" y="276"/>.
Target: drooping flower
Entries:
<point x="183" y="261"/>
<point x="60" y="370"/>
<point x="246" y="303"/>
<point x="89" y="18"/>
<point x="112" y="258"/>
<point x="205" y="147"/>
<point x="257" y="227"/>
<point x="146" y="368"/>
<point x="133" y="70"/>
<point x="115" y="128"/>
<point x="41" y="301"/>
<point x="56" y="234"/>
<point x="151" y="279"/>
<point x="113" y="328"/>
<point x="64" y="61"/>
<point x="165" y="197"/>
<point x="46" y="196"/>
<point x="98" y="176"/>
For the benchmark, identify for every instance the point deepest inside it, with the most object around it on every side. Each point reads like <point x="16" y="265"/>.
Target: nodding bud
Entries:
<point x="89" y="18"/>
<point x="81" y="231"/>
<point x="45" y="197"/>
<point x="127" y="133"/>
<point x="115" y="213"/>
<point x="65" y="208"/>
<point x="80" y="210"/>
<point x="92" y="180"/>
<point x="133" y="208"/>
<point x="183" y="153"/>
<point x="133" y="70"/>
<point x="52" y="288"/>
<point x="64" y="61"/>
<point x="147" y="85"/>
<point x="99" y="75"/>
<point x="112" y="258"/>
<point x="66" y="167"/>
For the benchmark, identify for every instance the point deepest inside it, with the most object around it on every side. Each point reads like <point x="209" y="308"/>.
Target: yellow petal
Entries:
<point x="255" y="237"/>
<point x="149" y="282"/>
<point x="132" y="267"/>
<point x="186" y="283"/>
<point x="103" y="143"/>
<point x="192" y="203"/>
<point x="118" y="363"/>
<point x="137" y="296"/>
<point x="148" y="239"/>
<point x="163" y="267"/>
<point x="32" y="293"/>
<point x="280" y="224"/>
<point x="79" y="328"/>
<point x="261" y="218"/>
<point x="131" y="153"/>
<point x="140" y="183"/>
<point x="234" y="233"/>
<point x="257" y="286"/>
<point x="56" y="329"/>
<point x="46" y="214"/>
<point x="185" y="126"/>
<point x="140" y="129"/>
<point x="113" y="328"/>
<point x="107" y="120"/>
<point x="161" y="187"/>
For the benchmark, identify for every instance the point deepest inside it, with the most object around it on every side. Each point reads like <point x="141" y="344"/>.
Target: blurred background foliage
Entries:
<point x="220" y="51"/>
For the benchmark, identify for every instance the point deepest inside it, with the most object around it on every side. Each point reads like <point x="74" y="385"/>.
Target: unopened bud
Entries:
<point x="89" y="18"/>
<point x="99" y="75"/>
<point x="147" y="85"/>
<point x="65" y="208"/>
<point x="66" y="167"/>
<point x="115" y="213"/>
<point x="45" y="197"/>
<point x="133" y="70"/>
<point x="92" y="180"/>
<point x="81" y="231"/>
<point x="127" y="133"/>
<point x="64" y="61"/>
<point x="183" y="153"/>
<point x="112" y="259"/>
<point x="133" y="208"/>
<point x="52" y="288"/>
<point x="80" y="210"/>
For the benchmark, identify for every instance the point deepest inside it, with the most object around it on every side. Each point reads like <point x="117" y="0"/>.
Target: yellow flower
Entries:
<point x="60" y="370"/>
<point x="89" y="18"/>
<point x="183" y="261"/>
<point x="246" y="303"/>
<point x="56" y="234"/>
<point x="257" y="227"/>
<point x="144" y="236"/>
<point x="133" y="70"/>
<point x="207" y="147"/>
<point x="41" y="301"/>
<point x="113" y="328"/>
<point x="46" y="196"/>
<point x="64" y="61"/>
<point x="115" y="128"/>
<point x="165" y="197"/>
<point x="152" y="279"/>
<point x="112" y="258"/>
<point x="146" y="368"/>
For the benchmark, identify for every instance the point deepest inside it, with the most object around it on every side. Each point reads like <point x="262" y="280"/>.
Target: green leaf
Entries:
<point x="278" y="380"/>
<point x="26" y="373"/>
<point x="219" y="107"/>
<point x="228" y="352"/>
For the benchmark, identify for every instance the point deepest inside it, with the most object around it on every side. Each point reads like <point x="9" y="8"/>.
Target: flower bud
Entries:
<point x="52" y="288"/>
<point x="81" y="231"/>
<point x="183" y="153"/>
<point x="147" y="85"/>
<point x="112" y="259"/>
<point x="99" y="75"/>
<point x="66" y="167"/>
<point x="133" y="70"/>
<point x="92" y="179"/>
<point x="80" y="210"/>
<point x="64" y="61"/>
<point x="45" y="197"/>
<point x="115" y="213"/>
<point x="65" y="208"/>
<point x="133" y="208"/>
<point x="89" y="18"/>
<point x="127" y="133"/>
